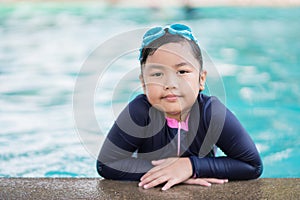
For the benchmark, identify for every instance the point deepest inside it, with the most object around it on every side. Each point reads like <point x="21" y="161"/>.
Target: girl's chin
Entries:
<point x="169" y="112"/>
<point x="175" y="115"/>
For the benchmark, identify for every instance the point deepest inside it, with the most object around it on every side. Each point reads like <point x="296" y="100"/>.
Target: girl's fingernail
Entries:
<point x="140" y="184"/>
<point x="145" y="186"/>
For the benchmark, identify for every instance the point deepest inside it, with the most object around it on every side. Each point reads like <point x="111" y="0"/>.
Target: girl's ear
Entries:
<point x="142" y="82"/>
<point x="202" y="79"/>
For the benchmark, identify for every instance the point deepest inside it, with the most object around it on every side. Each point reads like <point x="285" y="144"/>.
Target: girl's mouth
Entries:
<point x="171" y="97"/>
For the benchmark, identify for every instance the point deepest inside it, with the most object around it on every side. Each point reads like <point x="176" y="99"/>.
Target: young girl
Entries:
<point x="168" y="134"/>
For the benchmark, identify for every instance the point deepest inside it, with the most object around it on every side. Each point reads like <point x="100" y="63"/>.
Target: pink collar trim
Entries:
<point x="173" y="123"/>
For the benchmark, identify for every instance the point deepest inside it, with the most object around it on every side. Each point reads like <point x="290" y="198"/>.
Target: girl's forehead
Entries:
<point x="175" y="48"/>
<point x="173" y="54"/>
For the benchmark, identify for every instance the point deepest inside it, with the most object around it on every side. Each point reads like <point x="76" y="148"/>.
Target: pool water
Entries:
<point x="43" y="47"/>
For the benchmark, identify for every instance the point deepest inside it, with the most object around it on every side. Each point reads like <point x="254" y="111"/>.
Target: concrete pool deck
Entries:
<point x="96" y="188"/>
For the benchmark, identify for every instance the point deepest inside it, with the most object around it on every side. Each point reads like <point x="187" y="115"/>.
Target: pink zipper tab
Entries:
<point x="173" y="123"/>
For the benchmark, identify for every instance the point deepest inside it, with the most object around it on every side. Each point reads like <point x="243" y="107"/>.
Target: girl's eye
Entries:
<point x="182" y="72"/>
<point x="157" y="74"/>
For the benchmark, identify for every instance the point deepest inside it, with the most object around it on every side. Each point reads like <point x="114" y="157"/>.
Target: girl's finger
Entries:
<point x="155" y="182"/>
<point x="217" y="181"/>
<point x="149" y="177"/>
<point x="169" y="184"/>
<point x="158" y="162"/>
<point x="198" y="181"/>
<point x="151" y="171"/>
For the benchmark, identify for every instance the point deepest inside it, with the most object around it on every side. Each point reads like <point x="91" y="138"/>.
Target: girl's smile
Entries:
<point x="171" y="97"/>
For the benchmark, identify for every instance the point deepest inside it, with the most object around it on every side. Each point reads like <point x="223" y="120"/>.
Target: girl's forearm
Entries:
<point x="131" y="169"/>
<point x="225" y="168"/>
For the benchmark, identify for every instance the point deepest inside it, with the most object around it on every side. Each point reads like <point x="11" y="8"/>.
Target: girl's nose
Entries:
<point x="171" y="82"/>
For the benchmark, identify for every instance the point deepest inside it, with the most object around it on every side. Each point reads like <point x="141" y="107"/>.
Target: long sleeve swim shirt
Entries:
<point x="141" y="133"/>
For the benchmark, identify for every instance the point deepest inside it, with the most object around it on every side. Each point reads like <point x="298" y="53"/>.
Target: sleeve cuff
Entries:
<point x="193" y="167"/>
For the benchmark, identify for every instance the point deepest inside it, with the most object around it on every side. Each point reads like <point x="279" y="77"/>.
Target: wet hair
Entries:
<point x="169" y="38"/>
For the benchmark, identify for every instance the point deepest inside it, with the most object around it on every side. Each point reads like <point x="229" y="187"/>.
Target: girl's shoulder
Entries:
<point x="139" y="110"/>
<point x="206" y="100"/>
<point x="140" y="102"/>
<point x="210" y="104"/>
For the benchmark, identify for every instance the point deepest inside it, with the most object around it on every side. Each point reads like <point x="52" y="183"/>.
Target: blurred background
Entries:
<point x="43" y="45"/>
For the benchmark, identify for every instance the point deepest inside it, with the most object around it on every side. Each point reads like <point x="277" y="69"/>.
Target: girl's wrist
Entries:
<point x="189" y="167"/>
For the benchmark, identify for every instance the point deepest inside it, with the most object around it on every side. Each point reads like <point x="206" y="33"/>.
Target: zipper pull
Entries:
<point x="178" y="139"/>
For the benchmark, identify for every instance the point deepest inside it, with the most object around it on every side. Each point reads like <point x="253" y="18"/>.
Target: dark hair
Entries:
<point x="169" y="38"/>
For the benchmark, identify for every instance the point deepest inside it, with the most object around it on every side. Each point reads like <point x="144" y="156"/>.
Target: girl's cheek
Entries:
<point x="149" y="90"/>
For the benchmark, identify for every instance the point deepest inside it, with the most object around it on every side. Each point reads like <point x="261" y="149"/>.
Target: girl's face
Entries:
<point x="172" y="79"/>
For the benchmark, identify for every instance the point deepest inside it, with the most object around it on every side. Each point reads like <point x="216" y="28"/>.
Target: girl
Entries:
<point x="168" y="134"/>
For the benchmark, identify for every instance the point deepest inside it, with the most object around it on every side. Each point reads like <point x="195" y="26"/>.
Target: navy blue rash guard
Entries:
<point x="140" y="134"/>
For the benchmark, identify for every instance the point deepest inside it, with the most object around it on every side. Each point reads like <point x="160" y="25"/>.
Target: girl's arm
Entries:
<point x="117" y="158"/>
<point x="242" y="161"/>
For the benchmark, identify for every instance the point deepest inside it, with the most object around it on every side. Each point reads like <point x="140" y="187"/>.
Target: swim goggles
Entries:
<point x="159" y="31"/>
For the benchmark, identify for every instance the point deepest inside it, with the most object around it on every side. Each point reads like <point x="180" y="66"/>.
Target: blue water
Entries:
<point x="43" y="47"/>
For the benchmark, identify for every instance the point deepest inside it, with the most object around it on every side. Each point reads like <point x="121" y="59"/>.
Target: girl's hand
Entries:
<point x="205" y="181"/>
<point x="170" y="170"/>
